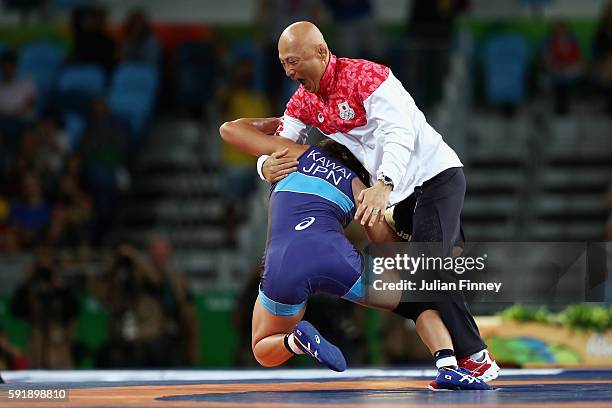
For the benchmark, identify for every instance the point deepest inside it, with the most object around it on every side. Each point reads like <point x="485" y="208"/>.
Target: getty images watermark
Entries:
<point x="542" y="272"/>
<point x="405" y="264"/>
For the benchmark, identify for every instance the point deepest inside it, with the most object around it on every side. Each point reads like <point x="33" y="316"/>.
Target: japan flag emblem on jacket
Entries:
<point x="346" y="113"/>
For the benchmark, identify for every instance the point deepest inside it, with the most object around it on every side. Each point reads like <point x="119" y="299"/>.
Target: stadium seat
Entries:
<point x="133" y="77"/>
<point x="135" y="108"/>
<point x="86" y="79"/>
<point x="41" y="62"/>
<point x="77" y="86"/>
<point x="506" y="59"/>
<point x="132" y="95"/>
<point x="194" y="75"/>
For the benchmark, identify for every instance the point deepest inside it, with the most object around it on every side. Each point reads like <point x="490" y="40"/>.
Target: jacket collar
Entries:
<point x="328" y="79"/>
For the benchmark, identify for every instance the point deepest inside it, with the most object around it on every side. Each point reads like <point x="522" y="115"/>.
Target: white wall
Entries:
<point x="242" y="11"/>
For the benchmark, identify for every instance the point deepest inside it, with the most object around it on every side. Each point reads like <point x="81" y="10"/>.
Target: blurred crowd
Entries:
<point x="65" y="155"/>
<point x="150" y="320"/>
<point x="67" y="144"/>
<point x="567" y="67"/>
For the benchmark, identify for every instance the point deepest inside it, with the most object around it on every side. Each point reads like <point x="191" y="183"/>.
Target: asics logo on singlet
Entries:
<point x="305" y="223"/>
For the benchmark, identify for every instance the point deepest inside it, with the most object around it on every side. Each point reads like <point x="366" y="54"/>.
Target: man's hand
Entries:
<point x="278" y="166"/>
<point x="373" y="202"/>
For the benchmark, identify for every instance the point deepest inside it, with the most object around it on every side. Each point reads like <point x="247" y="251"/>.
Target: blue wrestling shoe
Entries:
<point x="311" y="342"/>
<point x="449" y="378"/>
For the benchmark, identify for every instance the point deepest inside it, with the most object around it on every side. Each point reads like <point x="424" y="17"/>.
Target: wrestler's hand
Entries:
<point x="373" y="202"/>
<point x="278" y="166"/>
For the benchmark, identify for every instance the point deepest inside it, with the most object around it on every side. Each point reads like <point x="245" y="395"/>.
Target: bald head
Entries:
<point x="303" y="53"/>
<point x="302" y="34"/>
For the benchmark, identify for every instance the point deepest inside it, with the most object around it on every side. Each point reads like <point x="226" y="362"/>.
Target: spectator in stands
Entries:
<point x="357" y="35"/>
<point x="177" y="299"/>
<point x="152" y="321"/>
<point x="54" y="146"/>
<point x="602" y="54"/>
<point x="7" y="239"/>
<point x="430" y="26"/>
<point x="73" y="212"/>
<point x="241" y="100"/>
<point x="30" y="213"/>
<point x="563" y="63"/>
<point x="17" y="96"/>
<point x="10" y="356"/>
<point x="92" y="42"/>
<point x="48" y="304"/>
<point x="139" y="43"/>
<point x="272" y="18"/>
<point x="104" y="150"/>
<point x="20" y="162"/>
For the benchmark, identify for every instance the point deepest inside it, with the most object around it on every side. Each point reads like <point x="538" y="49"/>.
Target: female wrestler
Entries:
<point x="307" y="252"/>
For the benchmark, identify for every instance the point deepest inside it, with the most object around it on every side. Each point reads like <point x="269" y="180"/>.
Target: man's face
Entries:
<point x="303" y="65"/>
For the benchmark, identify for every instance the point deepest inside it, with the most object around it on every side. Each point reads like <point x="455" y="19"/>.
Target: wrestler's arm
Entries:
<point x="251" y="135"/>
<point x="379" y="232"/>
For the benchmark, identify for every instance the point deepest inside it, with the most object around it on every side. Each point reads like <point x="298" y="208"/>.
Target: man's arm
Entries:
<point x="248" y="135"/>
<point x="271" y="168"/>
<point x="394" y="112"/>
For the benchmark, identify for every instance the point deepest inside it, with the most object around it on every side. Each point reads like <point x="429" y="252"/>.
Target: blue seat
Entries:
<point x="83" y="79"/>
<point x="41" y="62"/>
<point x="133" y="77"/>
<point x="195" y="70"/>
<point x="132" y="95"/>
<point x="506" y="58"/>
<point x="134" y="108"/>
<point x="77" y="86"/>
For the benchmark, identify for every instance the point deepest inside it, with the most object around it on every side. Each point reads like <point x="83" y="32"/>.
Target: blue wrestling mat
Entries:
<point x="307" y="388"/>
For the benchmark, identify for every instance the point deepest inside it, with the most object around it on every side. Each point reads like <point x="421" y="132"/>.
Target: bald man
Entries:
<point x="361" y="105"/>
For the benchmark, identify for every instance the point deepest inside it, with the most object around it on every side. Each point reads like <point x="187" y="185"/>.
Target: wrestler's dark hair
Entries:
<point x="340" y="153"/>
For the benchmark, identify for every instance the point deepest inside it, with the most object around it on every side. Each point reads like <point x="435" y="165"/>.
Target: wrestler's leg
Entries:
<point x="268" y="335"/>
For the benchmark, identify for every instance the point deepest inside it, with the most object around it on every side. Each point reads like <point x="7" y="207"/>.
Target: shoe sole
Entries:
<point x="437" y="389"/>
<point x="444" y="389"/>
<point x="491" y="374"/>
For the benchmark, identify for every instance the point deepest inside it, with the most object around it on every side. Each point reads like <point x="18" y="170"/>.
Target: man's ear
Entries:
<point x="321" y="51"/>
